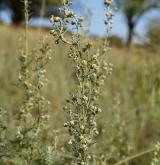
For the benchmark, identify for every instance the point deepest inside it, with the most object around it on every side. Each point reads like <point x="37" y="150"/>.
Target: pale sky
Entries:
<point x="119" y="26"/>
<point x="98" y="16"/>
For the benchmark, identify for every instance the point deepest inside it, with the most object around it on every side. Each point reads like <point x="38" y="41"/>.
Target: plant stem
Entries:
<point x="26" y="26"/>
<point x="135" y="156"/>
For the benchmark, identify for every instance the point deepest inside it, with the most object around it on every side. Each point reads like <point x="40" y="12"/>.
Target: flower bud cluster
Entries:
<point x="60" y="24"/>
<point x="108" y="2"/>
<point x="109" y="14"/>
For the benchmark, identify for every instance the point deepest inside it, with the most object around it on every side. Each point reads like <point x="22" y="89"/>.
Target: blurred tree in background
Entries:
<point x="16" y="7"/>
<point x="133" y="11"/>
<point x="154" y="34"/>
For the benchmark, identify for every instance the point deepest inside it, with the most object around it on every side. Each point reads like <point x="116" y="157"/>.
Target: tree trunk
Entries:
<point x="131" y="26"/>
<point x="17" y="8"/>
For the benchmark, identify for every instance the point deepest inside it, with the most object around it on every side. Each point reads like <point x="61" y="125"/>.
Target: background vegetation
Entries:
<point x="130" y="99"/>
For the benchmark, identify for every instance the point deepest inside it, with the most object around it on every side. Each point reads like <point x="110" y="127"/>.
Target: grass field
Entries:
<point x="130" y="97"/>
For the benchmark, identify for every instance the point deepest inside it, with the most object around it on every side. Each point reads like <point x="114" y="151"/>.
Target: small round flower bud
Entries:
<point x="70" y="142"/>
<point x="81" y="137"/>
<point x="84" y="62"/>
<point x="82" y="163"/>
<point x="94" y="66"/>
<point x="49" y="58"/>
<point x="94" y="57"/>
<point x="57" y="19"/>
<point x="85" y="98"/>
<point x="89" y="157"/>
<point x="94" y="124"/>
<point x="72" y="122"/>
<point x="53" y="32"/>
<point x="87" y="85"/>
<point x="81" y="19"/>
<point x="109" y="14"/>
<point x="45" y="117"/>
<point x="108" y="2"/>
<point x="65" y="124"/>
<point x="65" y="108"/>
<point x="70" y="14"/>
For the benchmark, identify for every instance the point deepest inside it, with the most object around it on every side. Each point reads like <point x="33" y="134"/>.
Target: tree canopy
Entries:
<point x="133" y="11"/>
<point x="17" y="8"/>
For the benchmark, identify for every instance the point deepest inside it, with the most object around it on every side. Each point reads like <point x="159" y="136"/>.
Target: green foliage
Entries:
<point x="154" y="34"/>
<point x="133" y="11"/>
<point x="3" y="128"/>
<point x="116" y="41"/>
<point x="17" y="7"/>
<point x="137" y="7"/>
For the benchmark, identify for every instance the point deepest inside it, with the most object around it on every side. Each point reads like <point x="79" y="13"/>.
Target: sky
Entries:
<point x="97" y="19"/>
<point x="119" y="26"/>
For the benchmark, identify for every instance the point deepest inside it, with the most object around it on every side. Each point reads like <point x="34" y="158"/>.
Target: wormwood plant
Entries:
<point x="32" y="114"/>
<point x="3" y="128"/>
<point x="27" y="146"/>
<point x="90" y="71"/>
<point x="156" y="158"/>
<point x="117" y="145"/>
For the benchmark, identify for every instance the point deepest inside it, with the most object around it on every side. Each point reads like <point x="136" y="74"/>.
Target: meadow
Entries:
<point x="130" y="99"/>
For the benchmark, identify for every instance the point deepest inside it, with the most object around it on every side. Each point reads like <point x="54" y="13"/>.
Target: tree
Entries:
<point x="17" y="8"/>
<point x="154" y="34"/>
<point x="133" y="11"/>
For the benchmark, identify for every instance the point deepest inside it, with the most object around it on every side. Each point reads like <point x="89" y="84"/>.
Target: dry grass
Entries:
<point x="135" y="78"/>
